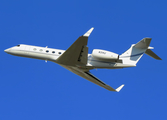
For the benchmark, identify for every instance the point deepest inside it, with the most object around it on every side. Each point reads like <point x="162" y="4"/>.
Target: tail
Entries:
<point x="136" y="51"/>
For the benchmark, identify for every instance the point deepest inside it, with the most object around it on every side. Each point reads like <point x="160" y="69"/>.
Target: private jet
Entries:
<point x="77" y="60"/>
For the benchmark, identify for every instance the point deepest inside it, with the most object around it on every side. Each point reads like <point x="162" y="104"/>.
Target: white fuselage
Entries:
<point x="50" y="54"/>
<point x="36" y="52"/>
<point x="77" y="60"/>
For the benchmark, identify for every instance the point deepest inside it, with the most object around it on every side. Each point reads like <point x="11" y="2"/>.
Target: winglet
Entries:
<point x="88" y="32"/>
<point x="119" y="88"/>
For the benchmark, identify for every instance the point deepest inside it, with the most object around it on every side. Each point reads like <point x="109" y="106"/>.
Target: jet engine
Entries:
<point x="104" y="55"/>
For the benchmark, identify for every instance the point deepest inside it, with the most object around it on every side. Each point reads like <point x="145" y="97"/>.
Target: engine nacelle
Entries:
<point x="104" y="55"/>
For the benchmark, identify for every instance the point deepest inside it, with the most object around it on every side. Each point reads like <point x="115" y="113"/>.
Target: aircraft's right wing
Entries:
<point x="88" y="76"/>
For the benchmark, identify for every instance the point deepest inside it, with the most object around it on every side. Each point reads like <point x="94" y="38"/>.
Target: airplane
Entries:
<point x="77" y="60"/>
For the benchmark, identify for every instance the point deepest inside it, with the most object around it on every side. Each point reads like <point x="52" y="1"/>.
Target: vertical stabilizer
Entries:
<point x="135" y="52"/>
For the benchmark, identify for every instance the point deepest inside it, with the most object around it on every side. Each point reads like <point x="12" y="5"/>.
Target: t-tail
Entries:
<point x="136" y="51"/>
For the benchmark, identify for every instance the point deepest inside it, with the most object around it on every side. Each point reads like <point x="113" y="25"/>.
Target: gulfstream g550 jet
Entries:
<point x="77" y="60"/>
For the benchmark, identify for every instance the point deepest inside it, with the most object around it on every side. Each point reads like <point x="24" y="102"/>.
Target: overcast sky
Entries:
<point x="31" y="89"/>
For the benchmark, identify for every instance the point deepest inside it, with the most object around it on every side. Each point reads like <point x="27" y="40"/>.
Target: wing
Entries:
<point x="77" y="53"/>
<point x="88" y="76"/>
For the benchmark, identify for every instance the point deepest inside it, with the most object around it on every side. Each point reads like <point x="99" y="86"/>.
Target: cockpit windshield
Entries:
<point x="18" y="45"/>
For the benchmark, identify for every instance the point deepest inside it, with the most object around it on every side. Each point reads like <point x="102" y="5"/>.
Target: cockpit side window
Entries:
<point x="18" y="45"/>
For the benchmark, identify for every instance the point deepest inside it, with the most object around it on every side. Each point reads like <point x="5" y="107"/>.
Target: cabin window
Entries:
<point x="40" y="50"/>
<point x="59" y="52"/>
<point x="53" y="51"/>
<point x="34" y="49"/>
<point x="47" y="51"/>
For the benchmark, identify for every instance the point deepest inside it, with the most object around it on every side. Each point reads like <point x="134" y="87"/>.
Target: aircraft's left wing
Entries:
<point x="88" y="76"/>
<point x="77" y="53"/>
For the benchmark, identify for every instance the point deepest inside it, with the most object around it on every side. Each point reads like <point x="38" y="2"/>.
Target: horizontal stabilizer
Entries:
<point x="143" y="44"/>
<point x="152" y="54"/>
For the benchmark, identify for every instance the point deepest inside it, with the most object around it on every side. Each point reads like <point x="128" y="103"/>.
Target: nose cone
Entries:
<point x="7" y="50"/>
